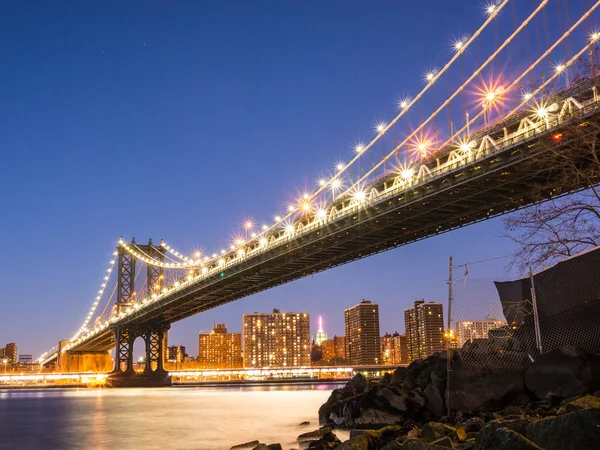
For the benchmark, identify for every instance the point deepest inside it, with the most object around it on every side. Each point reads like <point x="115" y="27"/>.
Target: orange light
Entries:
<point x="557" y="136"/>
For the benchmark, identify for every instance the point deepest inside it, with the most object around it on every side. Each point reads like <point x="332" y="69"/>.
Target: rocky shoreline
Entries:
<point x="552" y="404"/>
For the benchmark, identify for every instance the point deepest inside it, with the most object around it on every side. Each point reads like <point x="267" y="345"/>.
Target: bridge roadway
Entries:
<point x="517" y="170"/>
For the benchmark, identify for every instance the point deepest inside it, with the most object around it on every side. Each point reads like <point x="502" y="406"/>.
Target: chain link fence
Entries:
<point x="502" y="325"/>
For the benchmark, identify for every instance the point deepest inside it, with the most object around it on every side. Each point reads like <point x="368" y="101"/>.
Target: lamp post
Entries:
<point x="4" y="361"/>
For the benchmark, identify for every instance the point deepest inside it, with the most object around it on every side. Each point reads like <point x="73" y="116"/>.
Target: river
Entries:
<point x="198" y="418"/>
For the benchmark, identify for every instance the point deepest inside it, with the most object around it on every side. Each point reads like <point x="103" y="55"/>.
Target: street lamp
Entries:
<point x="4" y="361"/>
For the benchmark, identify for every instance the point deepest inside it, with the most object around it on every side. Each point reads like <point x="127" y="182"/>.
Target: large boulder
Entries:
<point x="245" y="445"/>
<point x="503" y="439"/>
<point x="564" y="372"/>
<point x="577" y="430"/>
<point x="339" y="397"/>
<point x="472" y="393"/>
<point x="328" y="441"/>
<point x="313" y="435"/>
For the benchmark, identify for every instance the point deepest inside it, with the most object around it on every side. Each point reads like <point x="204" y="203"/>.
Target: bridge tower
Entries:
<point x="154" y="334"/>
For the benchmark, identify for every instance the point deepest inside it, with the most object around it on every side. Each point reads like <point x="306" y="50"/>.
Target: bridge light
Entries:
<point x="248" y="225"/>
<point x="358" y="148"/>
<point x="558" y="68"/>
<point x="407" y="173"/>
<point x="527" y="96"/>
<point x="557" y="136"/>
<point x="490" y="8"/>
<point x="322" y="182"/>
<point x="277" y="218"/>
<point x="360" y="196"/>
<point x="403" y="103"/>
<point x="222" y="274"/>
<point x="289" y="228"/>
<point x="263" y="241"/>
<point x="594" y="36"/>
<point x="197" y="255"/>
<point x="380" y="126"/>
<point x="541" y="112"/>
<point x="335" y="184"/>
<point x="429" y="76"/>
<point x="339" y="166"/>
<point x="321" y="213"/>
<point x="265" y="227"/>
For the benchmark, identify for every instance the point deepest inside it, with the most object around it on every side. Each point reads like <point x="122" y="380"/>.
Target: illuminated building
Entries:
<point x="176" y="354"/>
<point x="10" y="353"/>
<point x="321" y="335"/>
<point x="362" y="334"/>
<point x="334" y="350"/>
<point x="467" y="330"/>
<point x="328" y="348"/>
<point x="220" y="349"/>
<point x="339" y="343"/>
<point x="401" y="349"/>
<point x="316" y="351"/>
<point x="276" y="339"/>
<point x="394" y="349"/>
<point x="424" y="329"/>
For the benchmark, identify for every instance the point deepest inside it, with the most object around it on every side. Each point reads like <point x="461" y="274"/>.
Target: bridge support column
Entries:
<point x="155" y="349"/>
<point x="154" y="375"/>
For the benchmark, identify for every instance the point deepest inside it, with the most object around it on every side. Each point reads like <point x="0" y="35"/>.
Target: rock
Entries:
<point x="419" y="445"/>
<point x="392" y="445"/>
<point x="394" y="401"/>
<point x="564" y="372"/>
<point x="274" y="447"/>
<point x="436" y="430"/>
<point x="597" y="394"/>
<point x="374" y="418"/>
<point x="503" y="439"/>
<point x="474" y="425"/>
<point x="398" y="376"/>
<point x="576" y="430"/>
<point x="512" y="411"/>
<point x="434" y="400"/>
<point x="361" y="442"/>
<point x="313" y="435"/>
<point x="250" y="444"/>
<point x="587" y="402"/>
<point x="261" y="447"/>
<point x="518" y="425"/>
<point x="340" y="397"/>
<point x="302" y="424"/>
<point x="471" y="393"/>
<point x="443" y="442"/>
<point x="328" y="441"/>
<point x="460" y="435"/>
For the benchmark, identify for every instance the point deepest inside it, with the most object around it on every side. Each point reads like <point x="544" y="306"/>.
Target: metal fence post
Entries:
<point x="536" y="319"/>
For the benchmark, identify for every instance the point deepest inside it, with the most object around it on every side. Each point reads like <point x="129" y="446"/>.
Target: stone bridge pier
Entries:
<point x="154" y="373"/>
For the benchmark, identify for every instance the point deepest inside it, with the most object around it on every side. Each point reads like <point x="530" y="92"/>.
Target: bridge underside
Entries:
<point x="532" y="171"/>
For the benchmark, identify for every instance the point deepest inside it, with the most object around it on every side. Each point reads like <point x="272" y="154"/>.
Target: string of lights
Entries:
<point x="422" y="145"/>
<point x="594" y="36"/>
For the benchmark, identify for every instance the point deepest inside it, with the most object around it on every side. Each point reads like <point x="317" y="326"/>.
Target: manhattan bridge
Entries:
<point x="507" y="147"/>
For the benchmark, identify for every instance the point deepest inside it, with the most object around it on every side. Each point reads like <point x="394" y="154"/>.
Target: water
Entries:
<point x="197" y="418"/>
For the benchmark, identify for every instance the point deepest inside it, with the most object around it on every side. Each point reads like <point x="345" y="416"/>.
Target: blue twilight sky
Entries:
<point x="178" y="120"/>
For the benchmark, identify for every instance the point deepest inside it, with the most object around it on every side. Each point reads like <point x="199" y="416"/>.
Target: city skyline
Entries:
<point x="82" y="144"/>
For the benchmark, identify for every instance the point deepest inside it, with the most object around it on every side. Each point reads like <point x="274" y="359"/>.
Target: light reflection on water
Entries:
<point x="199" y="418"/>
